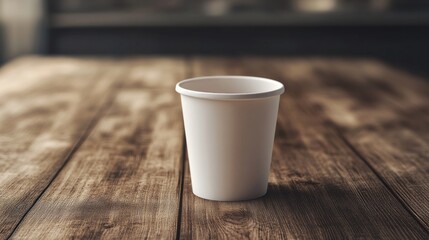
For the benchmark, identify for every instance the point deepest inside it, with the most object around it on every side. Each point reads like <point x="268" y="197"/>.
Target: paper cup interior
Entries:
<point x="229" y="87"/>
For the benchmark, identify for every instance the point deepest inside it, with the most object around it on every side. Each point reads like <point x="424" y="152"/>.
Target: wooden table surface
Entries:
<point x="94" y="148"/>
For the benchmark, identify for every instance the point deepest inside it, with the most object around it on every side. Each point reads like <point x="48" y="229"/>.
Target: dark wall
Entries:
<point x="406" y="46"/>
<point x="391" y="41"/>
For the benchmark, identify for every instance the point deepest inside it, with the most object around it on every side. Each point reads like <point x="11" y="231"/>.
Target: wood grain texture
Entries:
<point x="154" y="72"/>
<point x="384" y="115"/>
<point x="319" y="187"/>
<point x="46" y="105"/>
<point x="94" y="149"/>
<point x="125" y="180"/>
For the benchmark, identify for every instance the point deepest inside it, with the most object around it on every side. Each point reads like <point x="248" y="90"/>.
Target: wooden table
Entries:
<point x="95" y="148"/>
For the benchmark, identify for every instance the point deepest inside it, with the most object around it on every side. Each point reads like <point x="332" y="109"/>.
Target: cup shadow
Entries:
<point x="315" y="210"/>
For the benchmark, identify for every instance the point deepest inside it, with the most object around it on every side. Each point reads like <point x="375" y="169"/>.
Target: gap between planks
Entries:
<point x="188" y="74"/>
<point x="181" y="186"/>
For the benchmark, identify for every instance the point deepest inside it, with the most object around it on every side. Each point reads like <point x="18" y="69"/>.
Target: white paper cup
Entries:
<point x="230" y="123"/>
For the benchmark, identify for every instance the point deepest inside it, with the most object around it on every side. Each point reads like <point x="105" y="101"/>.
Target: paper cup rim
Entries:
<point x="277" y="88"/>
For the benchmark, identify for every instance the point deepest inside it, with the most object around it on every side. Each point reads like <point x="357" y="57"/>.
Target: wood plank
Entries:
<point x="125" y="180"/>
<point x="319" y="188"/>
<point x="46" y="106"/>
<point x="154" y="72"/>
<point x="384" y="114"/>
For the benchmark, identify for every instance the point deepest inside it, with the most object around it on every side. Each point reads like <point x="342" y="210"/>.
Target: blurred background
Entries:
<point x="396" y="31"/>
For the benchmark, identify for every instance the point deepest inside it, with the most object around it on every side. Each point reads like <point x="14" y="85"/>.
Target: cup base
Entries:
<point x="229" y="199"/>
